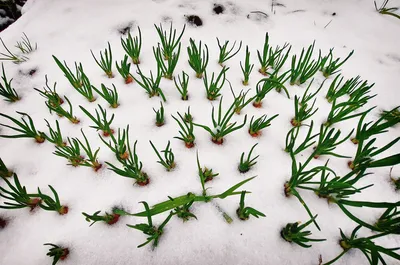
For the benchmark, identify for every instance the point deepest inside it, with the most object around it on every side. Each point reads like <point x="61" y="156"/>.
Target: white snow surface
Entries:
<point x="69" y="29"/>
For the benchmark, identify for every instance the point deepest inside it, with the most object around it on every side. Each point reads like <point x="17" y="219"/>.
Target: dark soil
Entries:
<point x="194" y="20"/>
<point x="10" y="12"/>
<point x="218" y="9"/>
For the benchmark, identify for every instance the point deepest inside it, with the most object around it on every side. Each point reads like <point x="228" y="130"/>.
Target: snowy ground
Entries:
<point x="69" y="29"/>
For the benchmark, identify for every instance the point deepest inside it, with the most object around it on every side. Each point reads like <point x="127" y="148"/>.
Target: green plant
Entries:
<point x="205" y="174"/>
<point x="74" y="79"/>
<point x="17" y="196"/>
<point x="198" y="58"/>
<point x="4" y="171"/>
<point x="240" y="100"/>
<point x="102" y="123"/>
<point x="305" y="67"/>
<point x="183" y="211"/>
<point x="364" y="157"/>
<point x="222" y="125"/>
<point x="55" y="136"/>
<point x="224" y="53"/>
<point x="294" y="233"/>
<point x="124" y="70"/>
<point x="389" y="221"/>
<point x="151" y="85"/>
<point x="61" y="112"/>
<point x="17" y="59"/>
<point x="119" y="146"/>
<point x="387" y="10"/>
<point x="132" y="46"/>
<point x="186" y="132"/>
<point x="247" y="67"/>
<point x="182" y="87"/>
<point x="49" y="204"/>
<point x="6" y="91"/>
<point x="329" y="66"/>
<point x="366" y="130"/>
<point x="213" y="88"/>
<point x="246" y="165"/>
<point x="92" y="156"/>
<point x="169" y="159"/>
<point x="57" y="253"/>
<point x="372" y="251"/>
<point x="25" y="129"/>
<point x="105" y="61"/>
<point x="291" y="138"/>
<point x="50" y="94"/>
<point x="265" y="85"/>
<point x="25" y="46"/>
<point x="111" y="96"/>
<point x="167" y="70"/>
<point x="392" y="114"/>
<point x="336" y="90"/>
<point x="244" y="212"/>
<point x="85" y="88"/>
<point x="272" y="58"/>
<point x="302" y="112"/>
<point x="169" y="41"/>
<point x="395" y="181"/>
<point x="132" y="166"/>
<point x="107" y="218"/>
<point x="259" y="124"/>
<point x="344" y="110"/>
<point x="71" y="152"/>
<point x="153" y="232"/>
<point x="160" y="118"/>
<point x="188" y="116"/>
<point x="328" y="140"/>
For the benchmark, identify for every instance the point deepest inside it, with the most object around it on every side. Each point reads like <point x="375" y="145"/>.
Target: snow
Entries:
<point x="69" y="29"/>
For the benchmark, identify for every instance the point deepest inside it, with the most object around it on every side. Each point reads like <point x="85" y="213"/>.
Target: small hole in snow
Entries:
<point x="194" y="20"/>
<point x="218" y="9"/>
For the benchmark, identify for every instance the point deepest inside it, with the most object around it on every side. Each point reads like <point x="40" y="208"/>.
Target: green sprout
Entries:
<point x="183" y="212"/>
<point x="169" y="41"/>
<point x="111" y="96"/>
<point x="182" y="87"/>
<point x="6" y="91"/>
<point x="23" y="129"/>
<point x="240" y="100"/>
<point x="259" y="124"/>
<point x="198" y="58"/>
<point x="387" y="10"/>
<point x="50" y="94"/>
<point x="131" y="167"/>
<point x="395" y="181"/>
<point x="224" y="53"/>
<point x="108" y="218"/>
<point x="74" y="79"/>
<point x="168" y="162"/>
<point x="118" y="146"/>
<point x="244" y="212"/>
<point x="222" y="125"/>
<point x="102" y="123"/>
<point x="153" y="232"/>
<point x="329" y="66"/>
<point x="167" y="69"/>
<point x="186" y="132"/>
<point x="272" y="58"/>
<point x="265" y="85"/>
<point x="391" y="114"/>
<point x="246" y="165"/>
<point x="294" y="233"/>
<point x="17" y="196"/>
<point x="132" y="47"/>
<point x="11" y="56"/>
<point x="214" y="87"/>
<point x="49" y="204"/>
<point x="105" y="61"/>
<point x="188" y="116"/>
<point x="291" y="138"/>
<point x="336" y="90"/>
<point x="366" y="245"/>
<point x="4" y="171"/>
<point x="160" y="118"/>
<point x="328" y="140"/>
<point x="151" y="85"/>
<point x="206" y="174"/>
<point x="61" y="112"/>
<point x="246" y="70"/>
<point x="302" y="112"/>
<point x="57" y="253"/>
<point x="55" y="136"/>
<point x="92" y="156"/>
<point x="71" y="152"/>
<point x="25" y="46"/>
<point x="124" y="70"/>
<point x="389" y="221"/>
<point x="305" y="67"/>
